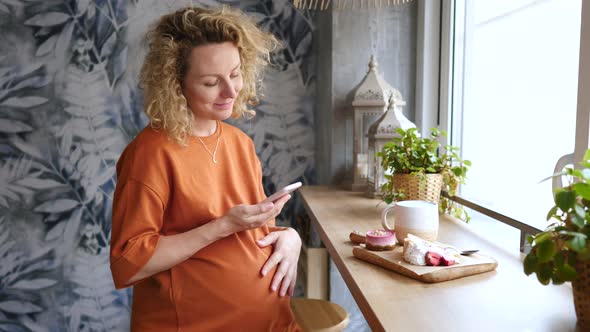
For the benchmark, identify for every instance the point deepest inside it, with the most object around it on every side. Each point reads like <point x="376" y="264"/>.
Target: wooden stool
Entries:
<point x="319" y="315"/>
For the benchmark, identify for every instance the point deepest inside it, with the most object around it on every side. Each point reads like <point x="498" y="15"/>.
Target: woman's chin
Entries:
<point x="214" y="114"/>
<point x="223" y="114"/>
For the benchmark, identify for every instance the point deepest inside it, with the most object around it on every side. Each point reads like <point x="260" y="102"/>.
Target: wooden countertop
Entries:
<point x="501" y="300"/>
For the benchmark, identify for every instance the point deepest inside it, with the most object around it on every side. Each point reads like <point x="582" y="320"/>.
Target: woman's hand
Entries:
<point x="287" y="245"/>
<point x="242" y="217"/>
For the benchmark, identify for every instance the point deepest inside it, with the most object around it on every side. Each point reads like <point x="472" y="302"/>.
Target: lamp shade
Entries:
<point x="370" y="101"/>
<point x="381" y="132"/>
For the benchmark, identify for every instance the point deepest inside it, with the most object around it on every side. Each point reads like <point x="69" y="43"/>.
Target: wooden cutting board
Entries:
<point x="393" y="260"/>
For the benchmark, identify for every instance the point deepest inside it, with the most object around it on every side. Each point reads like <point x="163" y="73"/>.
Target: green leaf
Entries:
<point x="582" y="189"/>
<point x="467" y="162"/>
<point x="587" y="155"/>
<point x="566" y="272"/>
<point x="577" y="243"/>
<point x="542" y="237"/>
<point x="551" y="212"/>
<point x="565" y="232"/>
<point x="560" y="228"/>
<point x="565" y="199"/>
<point x="530" y="238"/>
<point x="556" y="280"/>
<point x="580" y="211"/>
<point x="576" y="220"/>
<point x="559" y="260"/>
<point x="571" y="259"/>
<point x="544" y="272"/>
<point x="574" y="173"/>
<point x="546" y="250"/>
<point x="530" y="263"/>
<point x="558" y="174"/>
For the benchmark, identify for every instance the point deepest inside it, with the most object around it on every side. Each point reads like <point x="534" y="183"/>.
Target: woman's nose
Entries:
<point x="229" y="90"/>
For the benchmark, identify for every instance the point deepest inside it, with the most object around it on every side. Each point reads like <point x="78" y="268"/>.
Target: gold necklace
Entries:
<point x="214" y="154"/>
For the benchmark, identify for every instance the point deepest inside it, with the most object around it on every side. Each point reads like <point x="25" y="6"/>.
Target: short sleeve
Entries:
<point x="138" y="213"/>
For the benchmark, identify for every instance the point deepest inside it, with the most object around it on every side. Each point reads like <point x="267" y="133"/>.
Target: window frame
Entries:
<point x="435" y="76"/>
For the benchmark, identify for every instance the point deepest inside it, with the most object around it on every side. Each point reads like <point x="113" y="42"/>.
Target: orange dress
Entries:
<point x="164" y="189"/>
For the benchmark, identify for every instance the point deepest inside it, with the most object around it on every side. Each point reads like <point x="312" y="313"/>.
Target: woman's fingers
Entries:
<point x="265" y="215"/>
<point x="285" y="256"/>
<point x="243" y="217"/>
<point x="281" y="201"/>
<point x="273" y="261"/>
<point x="251" y="211"/>
<point x="280" y="277"/>
<point x="271" y="238"/>
<point x="287" y="281"/>
<point x="279" y="204"/>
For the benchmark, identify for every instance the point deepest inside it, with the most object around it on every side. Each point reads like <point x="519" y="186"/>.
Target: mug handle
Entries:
<point x="384" y="217"/>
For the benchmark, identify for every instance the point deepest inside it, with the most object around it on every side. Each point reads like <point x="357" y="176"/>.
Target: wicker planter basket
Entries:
<point x="581" y="287"/>
<point x="416" y="189"/>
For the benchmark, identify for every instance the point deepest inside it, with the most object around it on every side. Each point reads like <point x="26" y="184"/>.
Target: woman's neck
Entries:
<point x="204" y="128"/>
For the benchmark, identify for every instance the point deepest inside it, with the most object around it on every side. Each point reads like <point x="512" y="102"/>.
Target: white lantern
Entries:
<point x="381" y="132"/>
<point x="370" y="101"/>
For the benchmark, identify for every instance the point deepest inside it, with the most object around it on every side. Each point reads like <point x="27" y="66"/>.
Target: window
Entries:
<point x="513" y="104"/>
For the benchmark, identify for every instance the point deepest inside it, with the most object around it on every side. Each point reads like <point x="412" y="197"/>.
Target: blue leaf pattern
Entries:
<point x="69" y="104"/>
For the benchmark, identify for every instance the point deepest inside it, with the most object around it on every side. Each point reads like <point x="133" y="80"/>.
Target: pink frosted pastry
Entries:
<point x="380" y="240"/>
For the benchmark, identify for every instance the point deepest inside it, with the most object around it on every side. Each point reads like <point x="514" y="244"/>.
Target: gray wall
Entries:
<point x="345" y="40"/>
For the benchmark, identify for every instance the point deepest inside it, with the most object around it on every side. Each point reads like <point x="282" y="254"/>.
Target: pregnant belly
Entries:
<point x="223" y="283"/>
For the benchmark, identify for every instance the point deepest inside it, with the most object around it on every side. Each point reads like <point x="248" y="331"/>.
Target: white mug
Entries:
<point x="419" y="218"/>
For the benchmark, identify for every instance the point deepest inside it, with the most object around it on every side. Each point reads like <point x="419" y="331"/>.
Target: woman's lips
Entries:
<point x="223" y="106"/>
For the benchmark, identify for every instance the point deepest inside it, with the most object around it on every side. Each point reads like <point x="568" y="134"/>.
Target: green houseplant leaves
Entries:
<point x="555" y="251"/>
<point x="410" y="153"/>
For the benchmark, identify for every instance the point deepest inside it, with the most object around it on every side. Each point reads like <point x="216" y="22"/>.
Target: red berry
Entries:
<point x="433" y="258"/>
<point x="447" y="262"/>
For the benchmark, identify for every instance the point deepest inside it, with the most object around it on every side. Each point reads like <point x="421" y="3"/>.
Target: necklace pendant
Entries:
<point x="214" y="154"/>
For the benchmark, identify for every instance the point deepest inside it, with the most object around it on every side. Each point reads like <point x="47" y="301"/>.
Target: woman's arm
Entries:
<point x="174" y="249"/>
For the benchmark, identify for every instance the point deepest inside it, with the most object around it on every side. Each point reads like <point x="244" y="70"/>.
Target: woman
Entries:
<point x="189" y="230"/>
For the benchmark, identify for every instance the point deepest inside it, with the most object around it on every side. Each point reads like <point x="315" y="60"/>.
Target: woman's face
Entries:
<point x="213" y="81"/>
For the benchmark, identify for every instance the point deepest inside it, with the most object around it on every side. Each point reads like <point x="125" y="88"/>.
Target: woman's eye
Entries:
<point x="234" y="75"/>
<point x="210" y="83"/>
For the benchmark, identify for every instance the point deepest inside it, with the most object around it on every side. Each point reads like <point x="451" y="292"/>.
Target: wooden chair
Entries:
<point x="315" y="315"/>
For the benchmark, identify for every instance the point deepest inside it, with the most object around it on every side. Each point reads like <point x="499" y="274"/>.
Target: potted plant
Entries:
<point x="417" y="168"/>
<point x="561" y="253"/>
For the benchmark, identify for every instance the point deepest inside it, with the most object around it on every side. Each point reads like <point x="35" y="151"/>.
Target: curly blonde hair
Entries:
<point x="170" y="42"/>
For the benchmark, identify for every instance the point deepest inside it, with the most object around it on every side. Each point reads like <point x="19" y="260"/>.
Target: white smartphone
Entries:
<point x="284" y="191"/>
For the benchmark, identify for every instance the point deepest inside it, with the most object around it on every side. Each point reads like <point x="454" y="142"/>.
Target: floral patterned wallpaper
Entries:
<point x="69" y="104"/>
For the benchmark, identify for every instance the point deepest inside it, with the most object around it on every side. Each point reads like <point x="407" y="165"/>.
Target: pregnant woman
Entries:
<point x="190" y="231"/>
